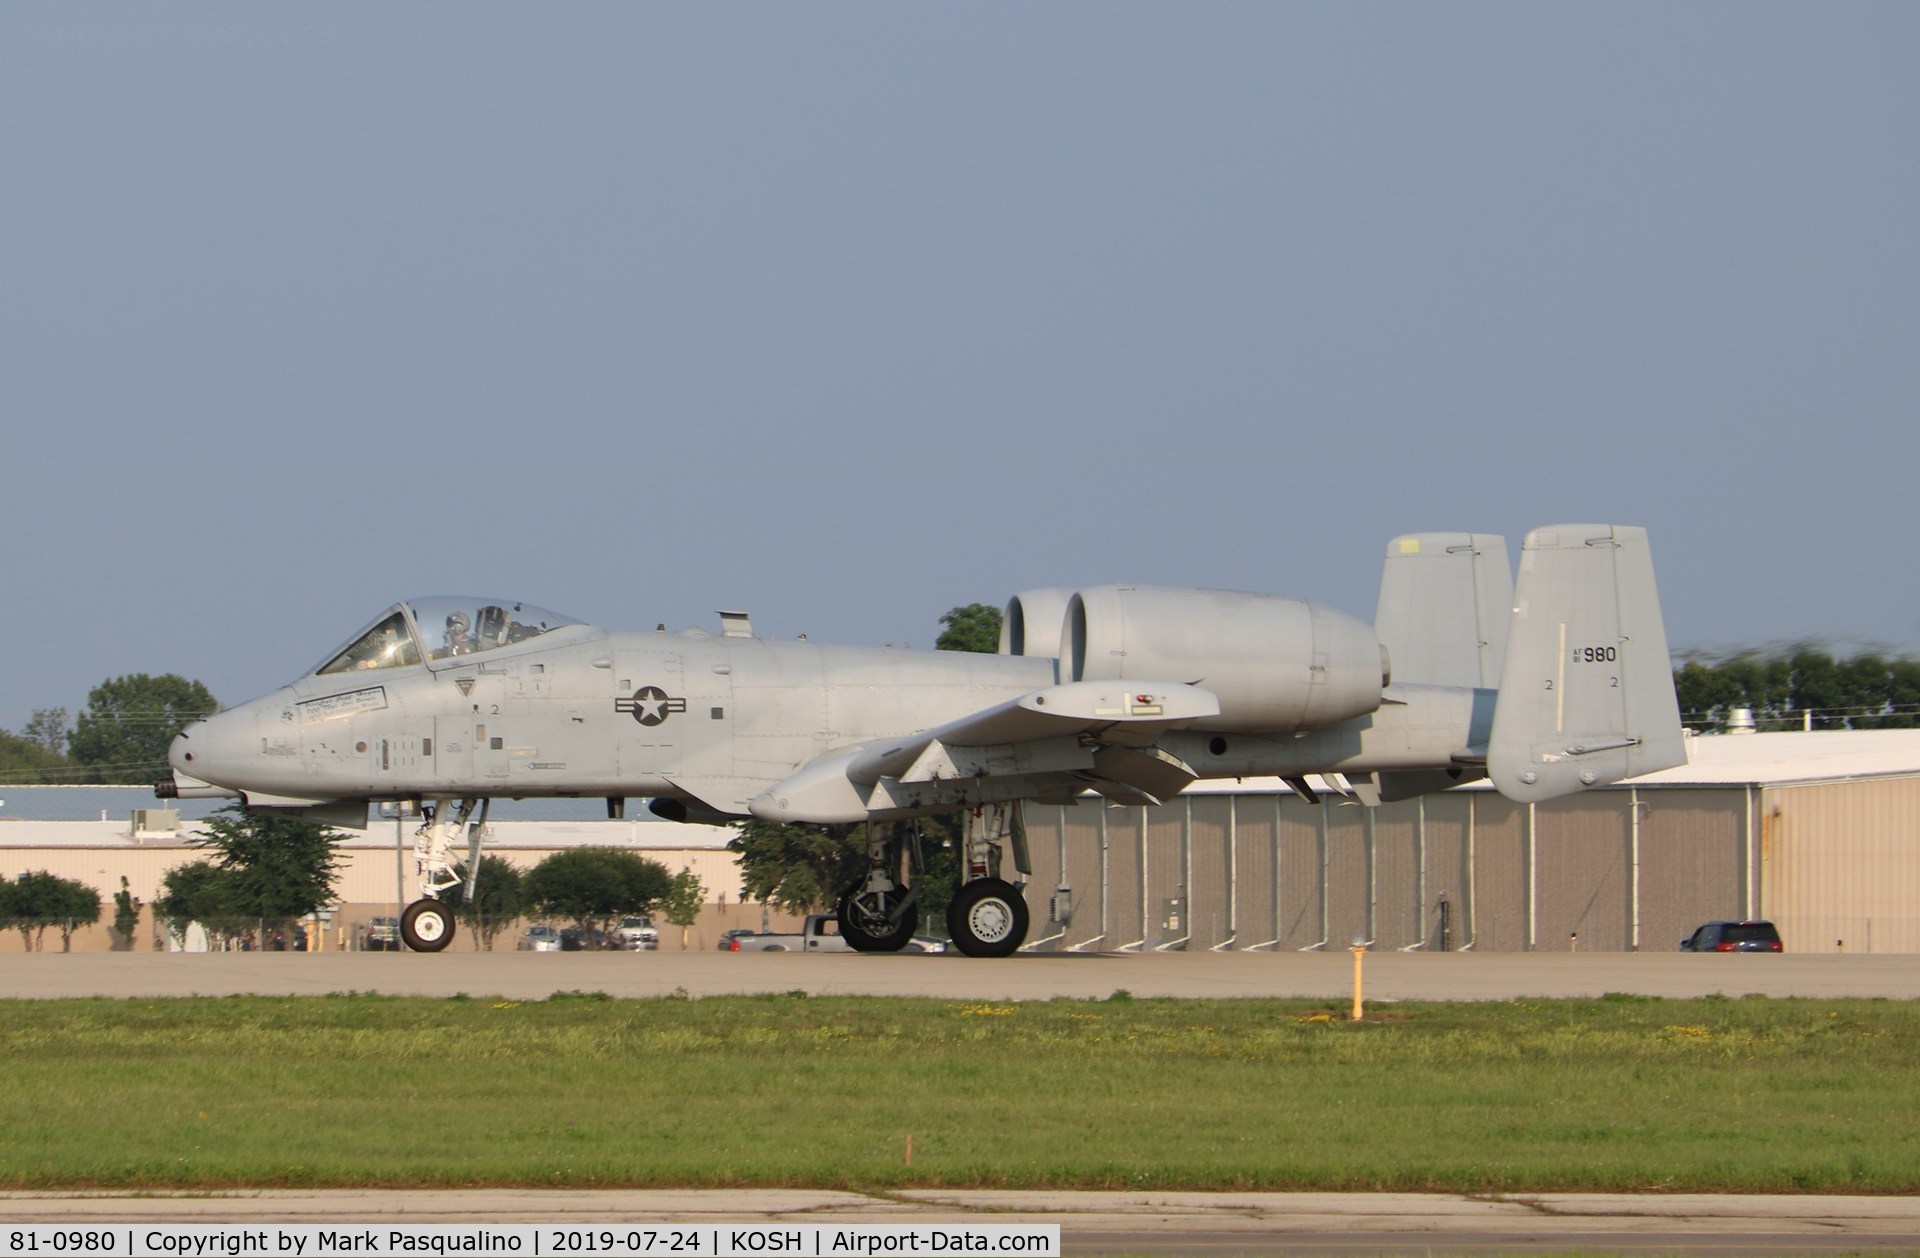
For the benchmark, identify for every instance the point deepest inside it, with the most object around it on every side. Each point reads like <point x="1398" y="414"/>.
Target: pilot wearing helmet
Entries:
<point x="460" y="639"/>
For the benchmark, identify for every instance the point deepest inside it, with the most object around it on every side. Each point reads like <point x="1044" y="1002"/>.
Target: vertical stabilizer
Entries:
<point x="1586" y="696"/>
<point x="1445" y="599"/>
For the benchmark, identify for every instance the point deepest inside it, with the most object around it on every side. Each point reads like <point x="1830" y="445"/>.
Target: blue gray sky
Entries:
<point x="845" y="314"/>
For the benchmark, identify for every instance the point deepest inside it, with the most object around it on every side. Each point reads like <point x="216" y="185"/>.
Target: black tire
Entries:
<point x="427" y="926"/>
<point x="867" y="930"/>
<point x="988" y="918"/>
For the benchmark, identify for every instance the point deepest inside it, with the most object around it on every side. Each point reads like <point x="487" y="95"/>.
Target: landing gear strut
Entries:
<point x="427" y="924"/>
<point x="988" y="915"/>
<point x="877" y="913"/>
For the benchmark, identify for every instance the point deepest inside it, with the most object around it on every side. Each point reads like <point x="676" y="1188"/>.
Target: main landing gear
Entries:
<point x="427" y="923"/>
<point x="987" y="917"/>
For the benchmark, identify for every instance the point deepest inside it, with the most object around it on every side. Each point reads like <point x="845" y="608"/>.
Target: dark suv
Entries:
<point x="1733" y="937"/>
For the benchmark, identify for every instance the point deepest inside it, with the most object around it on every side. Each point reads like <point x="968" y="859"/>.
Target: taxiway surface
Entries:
<point x="1029" y="976"/>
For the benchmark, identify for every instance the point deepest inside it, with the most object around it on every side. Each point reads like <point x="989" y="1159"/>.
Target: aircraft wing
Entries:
<point x="1056" y="741"/>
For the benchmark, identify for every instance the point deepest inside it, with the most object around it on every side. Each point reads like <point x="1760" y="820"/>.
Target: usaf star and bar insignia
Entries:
<point x="650" y="705"/>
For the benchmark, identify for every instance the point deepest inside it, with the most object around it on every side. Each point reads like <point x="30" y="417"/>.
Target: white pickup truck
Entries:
<point x="819" y="933"/>
<point x="637" y="934"/>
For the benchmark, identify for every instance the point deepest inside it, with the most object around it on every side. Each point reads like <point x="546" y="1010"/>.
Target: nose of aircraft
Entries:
<point x="205" y="756"/>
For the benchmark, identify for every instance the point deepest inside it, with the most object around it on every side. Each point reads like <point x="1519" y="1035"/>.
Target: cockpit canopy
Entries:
<point x="446" y="627"/>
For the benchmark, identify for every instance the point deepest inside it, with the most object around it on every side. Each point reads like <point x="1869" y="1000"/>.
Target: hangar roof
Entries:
<point x="1781" y="759"/>
<point x="1788" y="758"/>
<point x="640" y="836"/>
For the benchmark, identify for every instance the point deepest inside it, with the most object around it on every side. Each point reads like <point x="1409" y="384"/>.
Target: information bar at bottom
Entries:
<point x="527" y="1240"/>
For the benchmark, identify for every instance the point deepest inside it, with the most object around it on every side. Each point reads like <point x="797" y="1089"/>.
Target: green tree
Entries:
<point x="281" y="867"/>
<point x="500" y="901"/>
<point x="39" y="899"/>
<point x="48" y="727"/>
<point x="126" y="917"/>
<point x="803" y="869"/>
<point x="200" y="891"/>
<point x="975" y="627"/>
<point x="1903" y="694"/>
<point x="683" y="901"/>
<point x="942" y="841"/>
<point x="129" y="723"/>
<point x="593" y="885"/>
<point x="1804" y="686"/>
<point x="806" y="869"/>
<point x="23" y="760"/>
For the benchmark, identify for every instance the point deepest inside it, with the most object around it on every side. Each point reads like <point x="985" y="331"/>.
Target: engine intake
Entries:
<point x="1277" y="664"/>
<point x="1032" y="623"/>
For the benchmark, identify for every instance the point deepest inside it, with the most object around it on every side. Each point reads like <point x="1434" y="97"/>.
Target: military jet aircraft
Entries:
<point x="1557" y="684"/>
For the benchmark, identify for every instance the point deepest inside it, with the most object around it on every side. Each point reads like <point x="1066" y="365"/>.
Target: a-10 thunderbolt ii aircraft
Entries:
<point x="1559" y="683"/>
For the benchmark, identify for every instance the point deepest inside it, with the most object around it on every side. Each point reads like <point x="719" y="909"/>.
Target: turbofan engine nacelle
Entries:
<point x="1276" y="663"/>
<point x="1032" y="623"/>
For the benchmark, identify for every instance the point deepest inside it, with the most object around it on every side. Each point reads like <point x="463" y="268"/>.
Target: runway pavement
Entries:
<point x="1033" y="976"/>
<point x="1091" y="1223"/>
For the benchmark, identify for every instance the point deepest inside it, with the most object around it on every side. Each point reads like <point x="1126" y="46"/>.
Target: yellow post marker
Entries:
<point x="1359" y="1004"/>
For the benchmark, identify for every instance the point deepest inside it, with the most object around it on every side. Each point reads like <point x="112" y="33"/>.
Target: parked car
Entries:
<point x="925" y="943"/>
<point x="576" y="939"/>
<point x="383" y="935"/>
<point x="637" y="934"/>
<point x="538" y="939"/>
<point x="1734" y="937"/>
<point x="730" y="938"/>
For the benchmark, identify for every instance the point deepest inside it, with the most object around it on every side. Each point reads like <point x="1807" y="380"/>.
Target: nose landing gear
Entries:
<point x="427" y="923"/>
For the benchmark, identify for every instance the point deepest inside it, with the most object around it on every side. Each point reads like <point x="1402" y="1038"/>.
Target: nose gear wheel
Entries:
<point x="427" y="926"/>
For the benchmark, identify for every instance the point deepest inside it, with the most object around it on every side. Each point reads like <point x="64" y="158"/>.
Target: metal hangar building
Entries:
<point x="1819" y="832"/>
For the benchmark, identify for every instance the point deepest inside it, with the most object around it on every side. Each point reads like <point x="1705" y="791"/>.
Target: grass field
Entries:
<point x="1624" y="1094"/>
